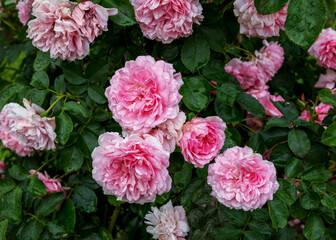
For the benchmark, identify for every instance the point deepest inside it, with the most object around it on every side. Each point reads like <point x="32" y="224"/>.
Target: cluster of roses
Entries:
<point x="62" y="27"/>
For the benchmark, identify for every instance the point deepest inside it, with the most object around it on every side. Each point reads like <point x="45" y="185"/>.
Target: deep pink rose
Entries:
<point x="134" y="169"/>
<point x="327" y="80"/>
<point x="92" y="18"/>
<point x="168" y="222"/>
<point x="25" y="8"/>
<point x="144" y="94"/>
<point x="253" y="24"/>
<point x="202" y="140"/>
<point x="24" y="131"/>
<point x="241" y="179"/>
<point x="166" y="20"/>
<point x="324" y="48"/>
<point x="52" y="184"/>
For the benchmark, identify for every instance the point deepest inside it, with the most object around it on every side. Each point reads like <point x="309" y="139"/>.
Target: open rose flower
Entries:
<point x="202" y="140"/>
<point x="166" y="20"/>
<point x="25" y="8"/>
<point x="134" y="169"/>
<point x="168" y="222"/>
<point x="253" y="24"/>
<point x="324" y="48"/>
<point x="241" y="179"/>
<point x="24" y="131"/>
<point x="327" y="80"/>
<point x="144" y="94"/>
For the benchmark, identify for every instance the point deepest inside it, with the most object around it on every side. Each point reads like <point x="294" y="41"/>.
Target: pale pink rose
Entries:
<point x="144" y="94"/>
<point x="202" y="140"/>
<point x="254" y="122"/>
<point x="324" y="48"/>
<point x="327" y="80"/>
<point x="25" y="8"/>
<point x="249" y="74"/>
<point x="264" y="97"/>
<point x="92" y="18"/>
<point x="2" y="167"/>
<point x="54" y="30"/>
<point x="270" y="57"/>
<point x="241" y="179"/>
<point x="166" y="20"/>
<point x="321" y="111"/>
<point x="253" y="24"/>
<point x="24" y="131"/>
<point x="133" y="169"/>
<point x="168" y="222"/>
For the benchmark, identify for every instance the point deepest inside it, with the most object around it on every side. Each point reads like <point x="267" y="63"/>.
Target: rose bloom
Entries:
<point x="202" y="140"/>
<point x="253" y="24"/>
<point x="144" y="94"/>
<point x="324" y="48"/>
<point x="134" y="169"/>
<point x="321" y="110"/>
<point x="168" y="222"/>
<point x="327" y="80"/>
<point x="241" y="179"/>
<point x="23" y="130"/>
<point x="166" y="20"/>
<point x="25" y="8"/>
<point x="264" y="97"/>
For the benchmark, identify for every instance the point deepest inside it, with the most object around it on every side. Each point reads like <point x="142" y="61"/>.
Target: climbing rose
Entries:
<point x="270" y="57"/>
<point x="241" y="179"/>
<point x="327" y="80"/>
<point x="25" y="8"/>
<point x="52" y="184"/>
<point x="144" y="94"/>
<point x="253" y="24"/>
<point x="324" y="48"/>
<point x="134" y="169"/>
<point x="23" y="130"/>
<point x="166" y="20"/>
<point x="168" y="222"/>
<point x="202" y="140"/>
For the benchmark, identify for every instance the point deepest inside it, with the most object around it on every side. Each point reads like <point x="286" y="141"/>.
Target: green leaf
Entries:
<point x="67" y="215"/>
<point x="12" y="201"/>
<point x="125" y="16"/>
<point x="266" y="7"/>
<point x="260" y="227"/>
<point x="97" y="70"/>
<point x="182" y="178"/>
<point x="114" y="202"/>
<point x="227" y="93"/>
<point x="314" y="227"/>
<point x="196" y="95"/>
<point x="293" y="167"/>
<point x="309" y="200"/>
<point x="96" y="93"/>
<point x="287" y="191"/>
<point x="75" y="108"/>
<point x="280" y="155"/>
<point x="8" y="92"/>
<point x="256" y="142"/>
<point x="329" y="201"/>
<point x="48" y="203"/>
<point x="250" y="104"/>
<point x="73" y="73"/>
<point x="57" y="231"/>
<point x="6" y="185"/>
<point x="35" y="186"/>
<point x="297" y="211"/>
<point x="327" y="97"/>
<point x="71" y="159"/>
<point x="84" y="199"/>
<point x="195" y="53"/>
<point x="214" y="71"/>
<point x="305" y="21"/>
<point x="298" y="142"/>
<point x="31" y="230"/>
<point x="289" y="110"/>
<point x="278" y="212"/>
<point x="37" y="96"/>
<point x="41" y="61"/>
<point x="87" y="141"/>
<point x="215" y="37"/>
<point x="64" y="127"/>
<point x="286" y="233"/>
<point x="18" y="172"/>
<point x="316" y="174"/>
<point x="3" y="229"/>
<point x="229" y="114"/>
<point x="196" y="217"/>
<point x="59" y="84"/>
<point x="237" y="217"/>
<point x="227" y="232"/>
<point x="329" y="136"/>
<point x="277" y="122"/>
<point x="250" y="235"/>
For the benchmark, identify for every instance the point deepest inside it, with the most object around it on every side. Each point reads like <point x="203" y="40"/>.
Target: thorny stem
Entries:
<point x="44" y="114"/>
<point x="36" y="218"/>
<point x="114" y="218"/>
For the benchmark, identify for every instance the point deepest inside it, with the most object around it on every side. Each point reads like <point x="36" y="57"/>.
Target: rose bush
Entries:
<point x="157" y="119"/>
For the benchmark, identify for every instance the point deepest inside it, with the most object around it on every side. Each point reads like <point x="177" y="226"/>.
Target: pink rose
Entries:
<point x="270" y="57"/>
<point x="23" y="130"/>
<point x="144" y="94"/>
<point x="241" y="179"/>
<point x="202" y="140"/>
<point x="254" y="122"/>
<point x="25" y="8"/>
<point x="253" y="24"/>
<point x="167" y="20"/>
<point x="168" y="222"/>
<point x="324" y="48"/>
<point x="264" y="97"/>
<point x="327" y="80"/>
<point x="92" y="18"/>
<point x="134" y="169"/>
<point x="321" y="111"/>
